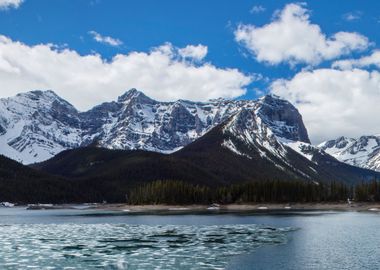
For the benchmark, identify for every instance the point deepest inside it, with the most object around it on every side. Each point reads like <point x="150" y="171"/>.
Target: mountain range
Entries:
<point x="36" y="125"/>
<point x="101" y="153"/>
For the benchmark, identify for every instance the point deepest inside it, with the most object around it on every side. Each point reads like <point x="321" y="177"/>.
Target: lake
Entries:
<point x="92" y="239"/>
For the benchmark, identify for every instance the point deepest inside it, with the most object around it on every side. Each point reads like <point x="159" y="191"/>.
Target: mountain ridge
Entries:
<point x="363" y="152"/>
<point x="36" y="125"/>
<point x="107" y="151"/>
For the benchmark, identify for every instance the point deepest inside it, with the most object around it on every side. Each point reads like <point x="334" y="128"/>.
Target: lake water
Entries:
<point x="82" y="239"/>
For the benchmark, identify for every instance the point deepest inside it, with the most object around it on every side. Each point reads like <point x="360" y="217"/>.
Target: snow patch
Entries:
<point x="231" y="146"/>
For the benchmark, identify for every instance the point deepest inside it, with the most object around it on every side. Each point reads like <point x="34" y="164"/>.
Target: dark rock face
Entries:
<point x="92" y="121"/>
<point x="339" y="143"/>
<point x="284" y="118"/>
<point x="2" y="130"/>
<point x="65" y="113"/>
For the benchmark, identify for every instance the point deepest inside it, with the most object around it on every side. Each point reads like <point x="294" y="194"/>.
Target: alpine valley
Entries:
<point x="102" y="153"/>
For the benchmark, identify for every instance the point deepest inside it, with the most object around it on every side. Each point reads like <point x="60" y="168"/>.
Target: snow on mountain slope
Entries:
<point x="272" y="127"/>
<point x="302" y="148"/>
<point x="272" y="123"/>
<point x="273" y="132"/>
<point x="363" y="152"/>
<point x="139" y="122"/>
<point x="37" y="125"/>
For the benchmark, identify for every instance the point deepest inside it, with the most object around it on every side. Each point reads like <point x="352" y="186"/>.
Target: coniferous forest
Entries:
<point x="177" y="192"/>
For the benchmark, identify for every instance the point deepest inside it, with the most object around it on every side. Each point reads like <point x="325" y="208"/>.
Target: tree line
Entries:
<point x="272" y="191"/>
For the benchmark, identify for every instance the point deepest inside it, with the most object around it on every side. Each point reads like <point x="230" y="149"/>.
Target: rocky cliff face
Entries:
<point x="282" y="118"/>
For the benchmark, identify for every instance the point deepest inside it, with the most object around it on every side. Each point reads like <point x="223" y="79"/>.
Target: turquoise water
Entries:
<point x="79" y="239"/>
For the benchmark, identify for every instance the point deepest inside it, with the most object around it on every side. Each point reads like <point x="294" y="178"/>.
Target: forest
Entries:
<point x="178" y="192"/>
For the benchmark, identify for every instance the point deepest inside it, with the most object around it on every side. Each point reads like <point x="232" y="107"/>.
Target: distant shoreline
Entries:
<point x="262" y="207"/>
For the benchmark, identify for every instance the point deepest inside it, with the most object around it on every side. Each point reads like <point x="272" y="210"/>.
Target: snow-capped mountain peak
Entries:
<point x="362" y="152"/>
<point x="271" y="127"/>
<point x="284" y="119"/>
<point x="37" y="125"/>
<point x="134" y="95"/>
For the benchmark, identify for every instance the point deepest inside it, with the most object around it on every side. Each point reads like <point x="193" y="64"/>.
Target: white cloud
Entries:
<point x="197" y="53"/>
<point x="335" y="102"/>
<point x="105" y="39"/>
<point x="5" y="4"/>
<point x="257" y="9"/>
<point x="352" y="16"/>
<point x="366" y="61"/>
<point x="86" y="80"/>
<point x="291" y="37"/>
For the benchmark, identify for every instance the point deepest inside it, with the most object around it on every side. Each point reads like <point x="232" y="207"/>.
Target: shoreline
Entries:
<point x="237" y="208"/>
<point x="373" y="207"/>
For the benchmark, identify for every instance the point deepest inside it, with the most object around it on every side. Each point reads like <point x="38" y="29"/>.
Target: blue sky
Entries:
<point x="141" y="26"/>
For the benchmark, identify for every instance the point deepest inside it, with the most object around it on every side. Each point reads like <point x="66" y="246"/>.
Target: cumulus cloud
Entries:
<point x="105" y="39"/>
<point x="292" y="38"/>
<point x="5" y="4"/>
<point x="334" y="102"/>
<point x="194" y="52"/>
<point x="365" y="61"/>
<point x="257" y="9"/>
<point x="86" y="80"/>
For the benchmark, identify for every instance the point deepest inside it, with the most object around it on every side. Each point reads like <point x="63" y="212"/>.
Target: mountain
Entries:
<point x="363" y="152"/>
<point x="251" y="144"/>
<point x="37" y="125"/>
